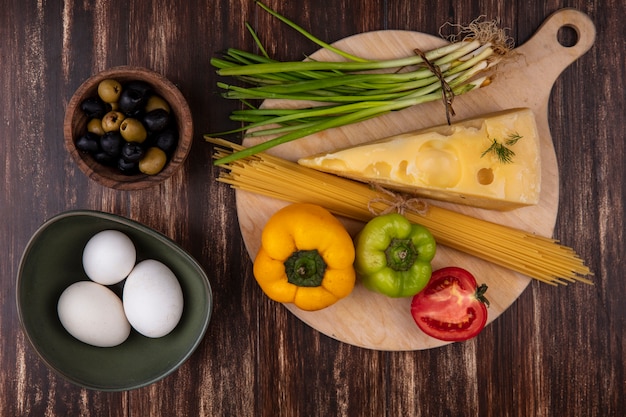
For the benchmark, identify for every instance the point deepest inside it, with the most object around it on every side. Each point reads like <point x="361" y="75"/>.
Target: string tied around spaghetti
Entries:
<point x="396" y="202"/>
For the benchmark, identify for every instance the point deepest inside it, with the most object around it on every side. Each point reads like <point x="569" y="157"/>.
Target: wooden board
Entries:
<point x="374" y="321"/>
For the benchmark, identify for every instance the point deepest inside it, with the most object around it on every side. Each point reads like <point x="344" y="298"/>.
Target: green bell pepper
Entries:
<point x="393" y="255"/>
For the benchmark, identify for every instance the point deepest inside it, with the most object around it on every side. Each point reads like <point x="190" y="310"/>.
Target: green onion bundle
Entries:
<point x="341" y="93"/>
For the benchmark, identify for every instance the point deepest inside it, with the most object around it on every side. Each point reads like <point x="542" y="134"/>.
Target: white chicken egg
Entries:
<point x="153" y="299"/>
<point x="108" y="257"/>
<point x="93" y="314"/>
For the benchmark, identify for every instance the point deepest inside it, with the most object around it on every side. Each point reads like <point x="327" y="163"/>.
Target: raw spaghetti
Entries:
<point x="535" y="256"/>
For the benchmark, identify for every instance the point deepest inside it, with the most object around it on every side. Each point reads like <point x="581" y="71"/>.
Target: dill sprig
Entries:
<point x="501" y="150"/>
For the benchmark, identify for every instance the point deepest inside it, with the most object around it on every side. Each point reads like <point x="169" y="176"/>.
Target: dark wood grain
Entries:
<point x="555" y="352"/>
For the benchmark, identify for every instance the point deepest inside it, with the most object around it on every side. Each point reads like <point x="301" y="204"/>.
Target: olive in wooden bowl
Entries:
<point x="128" y="128"/>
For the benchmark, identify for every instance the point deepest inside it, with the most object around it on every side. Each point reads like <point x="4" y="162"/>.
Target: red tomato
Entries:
<point x="451" y="307"/>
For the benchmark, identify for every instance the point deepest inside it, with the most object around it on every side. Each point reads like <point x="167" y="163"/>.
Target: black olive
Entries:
<point x="111" y="143"/>
<point x="156" y="120"/>
<point x="132" y="151"/>
<point x="141" y="87"/>
<point x="93" y="107"/>
<point x="104" y="158"/>
<point x="128" y="167"/>
<point x="167" y="140"/>
<point x="132" y="102"/>
<point x="89" y="142"/>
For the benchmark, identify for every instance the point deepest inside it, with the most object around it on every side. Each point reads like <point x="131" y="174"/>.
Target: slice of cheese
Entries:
<point x="451" y="162"/>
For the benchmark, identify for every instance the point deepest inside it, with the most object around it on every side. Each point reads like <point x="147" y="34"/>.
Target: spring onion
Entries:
<point x="350" y="91"/>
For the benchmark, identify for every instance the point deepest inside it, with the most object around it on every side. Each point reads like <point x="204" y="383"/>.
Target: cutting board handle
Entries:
<point x="546" y="55"/>
<point x="547" y="34"/>
<point x="534" y="67"/>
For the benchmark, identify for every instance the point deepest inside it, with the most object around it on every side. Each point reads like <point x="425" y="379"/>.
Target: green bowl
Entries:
<point x="52" y="261"/>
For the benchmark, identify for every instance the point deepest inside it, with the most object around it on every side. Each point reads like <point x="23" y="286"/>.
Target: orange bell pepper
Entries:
<point x="306" y="258"/>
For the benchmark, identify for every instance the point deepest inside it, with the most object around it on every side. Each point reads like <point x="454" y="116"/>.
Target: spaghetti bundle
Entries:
<point x="538" y="257"/>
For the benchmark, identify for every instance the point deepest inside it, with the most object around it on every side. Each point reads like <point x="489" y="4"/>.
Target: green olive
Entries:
<point x="112" y="120"/>
<point x="109" y="90"/>
<point x="153" y="161"/>
<point x="133" y="131"/>
<point x="157" y="102"/>
<point x="95" y="126"/>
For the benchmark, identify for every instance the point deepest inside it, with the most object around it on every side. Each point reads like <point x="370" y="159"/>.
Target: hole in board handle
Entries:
<point x="568" y="36"/>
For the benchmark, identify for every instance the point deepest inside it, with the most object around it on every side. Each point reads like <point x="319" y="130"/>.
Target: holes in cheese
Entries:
<point x="490" y="162"/>
<point x="485" y="176"/>
<point x="437" y="164"/>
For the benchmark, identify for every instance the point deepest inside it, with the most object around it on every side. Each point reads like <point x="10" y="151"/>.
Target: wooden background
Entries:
<point x="556" y="352"/>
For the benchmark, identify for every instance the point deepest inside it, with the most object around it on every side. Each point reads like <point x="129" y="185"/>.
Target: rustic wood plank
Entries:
<point x="318" y="380"/>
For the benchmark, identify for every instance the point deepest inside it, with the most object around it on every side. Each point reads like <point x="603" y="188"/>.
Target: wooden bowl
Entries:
<point x="75" y="125"/>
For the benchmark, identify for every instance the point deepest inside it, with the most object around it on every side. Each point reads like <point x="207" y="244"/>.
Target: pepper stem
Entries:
<point x="401" y="254"/>
<point x="305" y="268"/>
